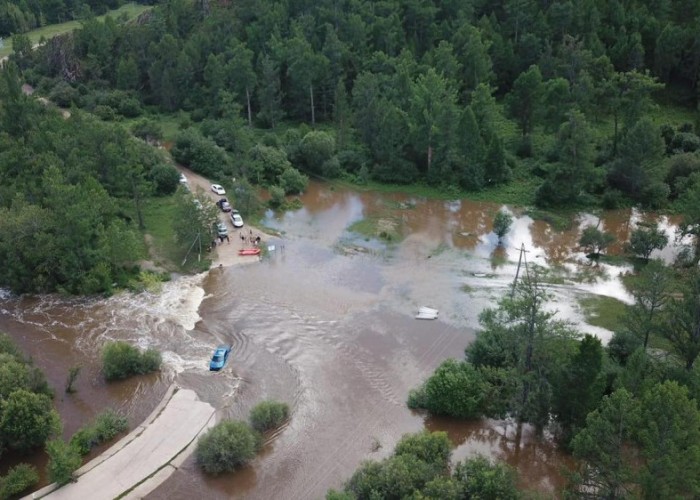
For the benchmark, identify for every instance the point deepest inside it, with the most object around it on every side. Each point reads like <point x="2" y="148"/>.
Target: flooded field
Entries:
<point x="326" y="324"/>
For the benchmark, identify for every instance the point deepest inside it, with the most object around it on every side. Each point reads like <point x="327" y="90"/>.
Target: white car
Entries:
<point x="236" y="219"/>
<point x="218" y="189"/>
<point x="183" y="179"/>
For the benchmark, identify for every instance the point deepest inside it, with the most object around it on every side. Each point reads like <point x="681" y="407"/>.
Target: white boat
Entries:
<point x="427" y="313"/>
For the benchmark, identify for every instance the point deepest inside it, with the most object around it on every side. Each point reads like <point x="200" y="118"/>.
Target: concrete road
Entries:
<point x="144" y="458"/>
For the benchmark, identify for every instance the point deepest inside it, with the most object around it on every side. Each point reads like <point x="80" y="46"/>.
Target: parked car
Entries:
<point x="218" y="360"/>
<point x="221" y="229"/>
<point x="236" y="219"/>
<point x="218" y="189"/>
<point x="183" y="179"/>
<point x="224" y="205"/>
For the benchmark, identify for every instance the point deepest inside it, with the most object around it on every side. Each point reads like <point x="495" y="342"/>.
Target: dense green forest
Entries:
<point x="558" y="97"/>
<point x="67" y="197"/>
<point x="20" y="16"/>
<point x="588" y="106"/>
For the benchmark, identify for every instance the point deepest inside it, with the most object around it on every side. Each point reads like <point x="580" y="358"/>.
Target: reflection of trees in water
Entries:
<point x="619" y="224"/>
<point x="498" y="257"/>
<point x="537" y="458"/>
<point x="559" y="245"/>
<point x="556" y="245"/>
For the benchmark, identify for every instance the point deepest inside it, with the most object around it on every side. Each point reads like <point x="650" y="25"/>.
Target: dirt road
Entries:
<point x="226" y="252"/>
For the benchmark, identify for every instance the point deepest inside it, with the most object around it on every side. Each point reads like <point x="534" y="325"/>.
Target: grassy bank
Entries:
<point x="159" y="214"/>
<point x="126" y="12"/>
<point x="387" y="228"/>
<point x="604" y="312"/>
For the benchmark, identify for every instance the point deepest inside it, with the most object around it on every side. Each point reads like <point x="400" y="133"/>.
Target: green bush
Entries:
<point x="148" y="130"/>
<point x="63" y="461"/>
<point x="199" y="153"/>
<point x="293" y="181"/>
<point x="419" y="468"/>
<point x="165" y="177"/>
<point x="400" y="476"/>
<point x="352" y="160"/>
<point x="105" y="113"/>
<point x="121" y="360"/>
<point x="228" y="445"/>
<point x="433" y="448"/>
<point x="276" y="197"/>
<point x="456" y="389"/>
<point x="331" y="168"/>
<point x="268" y="415"/>
<point x="105" y="427"/>
<point x="267" y="164"/>
<point x="64" y="95"/>
<point x="18" y="479"/>
<point x="501" y="224"/>
<point x="8" y="346"/>
<point x="316" y="148"/>
<point x="479" y="478"/>
<point x="13" y="375"/>
<point x="28" y="420"/>
<point x="129" y="107"/>
<point x="150" y="361"/>
<point x="416" y="398"/>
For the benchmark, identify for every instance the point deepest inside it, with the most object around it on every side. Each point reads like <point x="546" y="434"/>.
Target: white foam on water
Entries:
<point x="180" y="299"/>
<point x="180" y="364"/>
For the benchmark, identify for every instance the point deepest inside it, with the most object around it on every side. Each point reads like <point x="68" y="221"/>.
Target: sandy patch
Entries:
<point x="226" y="253"/>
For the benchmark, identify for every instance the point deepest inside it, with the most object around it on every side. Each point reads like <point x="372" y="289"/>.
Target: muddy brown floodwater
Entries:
<point x="326" y="325"/>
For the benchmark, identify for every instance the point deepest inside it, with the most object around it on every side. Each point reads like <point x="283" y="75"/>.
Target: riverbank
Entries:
<point x="146" y="457"/>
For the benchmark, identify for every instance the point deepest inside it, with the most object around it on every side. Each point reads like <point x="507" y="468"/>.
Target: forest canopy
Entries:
<point x="463" y="94"/>
<point x="593" y="104"/>
<point x="66" y="199"/>
<point x="20" y="16"/>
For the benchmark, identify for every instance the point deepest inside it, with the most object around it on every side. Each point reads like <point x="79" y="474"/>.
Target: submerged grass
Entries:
<point x="562" y="221"/>
<point x="520" y="192"/>
<point x="387" y="229"/>
<point x="604" y="312"/>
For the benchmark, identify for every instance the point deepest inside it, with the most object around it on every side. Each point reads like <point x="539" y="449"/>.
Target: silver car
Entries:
<point x="221" y="230"/>
<point x="236" y="219"/>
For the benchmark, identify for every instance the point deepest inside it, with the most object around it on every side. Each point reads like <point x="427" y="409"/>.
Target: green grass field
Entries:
<point x="159" y="214"/>
<point x="602" y="311"/>
<point x="128" y="11"/>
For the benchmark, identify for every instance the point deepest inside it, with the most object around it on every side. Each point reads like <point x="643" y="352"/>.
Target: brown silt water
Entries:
<point x="326" y="324"/>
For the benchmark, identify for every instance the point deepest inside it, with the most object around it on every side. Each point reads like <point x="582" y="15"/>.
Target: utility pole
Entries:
<point x="521" y="258"/>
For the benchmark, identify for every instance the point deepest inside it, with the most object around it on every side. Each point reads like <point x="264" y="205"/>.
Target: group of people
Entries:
<point x="221" y="239"/>
<point x="255" y="240"/>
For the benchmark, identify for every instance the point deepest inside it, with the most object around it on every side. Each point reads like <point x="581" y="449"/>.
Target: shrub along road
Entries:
<point x="146" y="457"/>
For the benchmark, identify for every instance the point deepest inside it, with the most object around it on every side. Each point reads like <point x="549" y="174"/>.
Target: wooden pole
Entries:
<point x="517" y="271"/>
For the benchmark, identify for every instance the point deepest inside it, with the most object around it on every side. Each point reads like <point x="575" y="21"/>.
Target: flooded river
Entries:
<point x="325" y="324"/>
